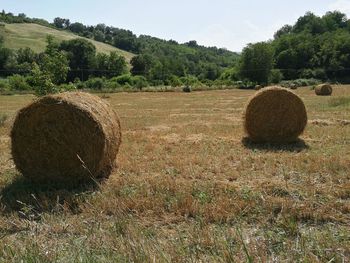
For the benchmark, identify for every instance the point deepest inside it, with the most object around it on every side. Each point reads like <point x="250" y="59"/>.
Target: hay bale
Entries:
<point x="187" y="89"/>
<point x="323" y="90"/>
<point x="258" y="87"/>
<point x="68" y="136"/>
<point x="293" y="86"/>
<point x="275" y="115"/>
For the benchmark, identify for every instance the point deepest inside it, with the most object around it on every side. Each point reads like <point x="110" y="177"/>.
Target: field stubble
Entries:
<point x="189" y="189"/>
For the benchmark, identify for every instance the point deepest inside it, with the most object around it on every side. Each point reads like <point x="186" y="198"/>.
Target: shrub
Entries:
<point x="112" y="84"/>
<point x="174" y="81"/>
<point x="95" y="83"/>
<point x="18" y="82"/>
<point x="300" y="83"/>
<point x="139" y="82"/>
<point x="124" y="79"/>
<point x="275" y="76"/>
<point x="246" y="84"/>
<point x="319" y="73"/>
<point x="190" y="80"/>
<point x="41" y="82"/>
<point x="307" y="74"/>
<point x="4" y="85"/>
<point x="67" y="87"/>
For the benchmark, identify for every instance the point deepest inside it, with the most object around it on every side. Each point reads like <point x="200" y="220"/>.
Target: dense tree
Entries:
<point x="77" y="28"/>
<point x="5" y="54"/>
<point x="81" y="55"/>
<point x="257" y="62"/>
<point x="59" y="22"/>
<point x="111" y="65"/>
<point x="142" y="64"/>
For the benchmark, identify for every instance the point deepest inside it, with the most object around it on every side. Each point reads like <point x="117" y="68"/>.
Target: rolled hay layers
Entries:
<point x="64" y="137"/>
<point x="275" y="115"/>
<point x="323" y="90"/>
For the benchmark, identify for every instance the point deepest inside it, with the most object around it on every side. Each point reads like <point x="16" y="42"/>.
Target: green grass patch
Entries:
<point x="339" y="101"/>
<point x="3" y="118"/>
<point x="22" y="35"/>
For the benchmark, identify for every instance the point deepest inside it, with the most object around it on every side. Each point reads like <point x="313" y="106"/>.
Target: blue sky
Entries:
<point x="223" y="23"/>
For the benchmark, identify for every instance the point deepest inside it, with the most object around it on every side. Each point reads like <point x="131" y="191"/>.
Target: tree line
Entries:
<point x="315" y="47"/>
<point x="159" y="61"/>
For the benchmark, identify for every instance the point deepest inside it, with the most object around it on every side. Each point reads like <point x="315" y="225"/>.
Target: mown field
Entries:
<point x="189" y="190"/>
<point x="23" y="35"/>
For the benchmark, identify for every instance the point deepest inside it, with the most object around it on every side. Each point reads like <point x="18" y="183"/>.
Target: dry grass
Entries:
<point x="189" y="190"/>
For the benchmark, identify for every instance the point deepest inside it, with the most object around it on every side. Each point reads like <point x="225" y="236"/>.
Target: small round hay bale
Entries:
<point x="187" y="89"/>
<point x="64" y="137"/>
<point x="293" y="86"/>
<point x="275" y="115"/>
<point x="258" y="87"/>
<point x="323" y="90"/>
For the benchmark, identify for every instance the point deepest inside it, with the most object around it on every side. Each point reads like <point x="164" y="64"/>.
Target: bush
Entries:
<point x="319" y="73"/>
<point x="41" y="82"/>
<point x="307" y="74"/>
<point x="139" y="82"/>
<point x="124" y="79"/>
<point x="67" y="87"/>
<point x="112" y="84"/>
<point x="190" y="80"/>
<point x="18" y="82"/>
<point x="275" y="76"/>
<point x="95" y="83"/>
<point x="174" y="81"/>
<point x="300" y="83"/>
<point x="4" y="85"/>
<point x="246" y="84"/>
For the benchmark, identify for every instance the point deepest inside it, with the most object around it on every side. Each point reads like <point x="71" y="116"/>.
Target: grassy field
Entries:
<point x="189" y="190"/>
<point x="34" y="36"/>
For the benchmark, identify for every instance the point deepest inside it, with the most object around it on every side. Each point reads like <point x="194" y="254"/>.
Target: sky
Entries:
<point x="230" y="24"/>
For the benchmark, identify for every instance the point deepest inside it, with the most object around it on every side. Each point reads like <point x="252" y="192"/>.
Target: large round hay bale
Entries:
<point x="68" y="136"/>
<point x="275" y="115"/>
<point x="323" y="90"/>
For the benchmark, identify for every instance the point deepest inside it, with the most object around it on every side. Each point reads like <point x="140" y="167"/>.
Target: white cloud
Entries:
<point x="234" y="37"/>
<point x="341" y="5"/>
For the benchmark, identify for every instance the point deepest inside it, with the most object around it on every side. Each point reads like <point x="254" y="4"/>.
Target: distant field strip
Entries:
<point x="34" y="36"/>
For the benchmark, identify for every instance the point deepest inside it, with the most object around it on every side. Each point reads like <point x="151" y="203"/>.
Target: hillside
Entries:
<point x="23" y="35"/>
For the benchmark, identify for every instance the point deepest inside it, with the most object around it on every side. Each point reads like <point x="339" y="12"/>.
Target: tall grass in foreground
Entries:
<point x="3" y="118"/>
<point x="339" y="101"/>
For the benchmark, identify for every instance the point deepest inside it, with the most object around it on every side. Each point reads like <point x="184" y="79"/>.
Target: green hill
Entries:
<point x="34" y="36"/>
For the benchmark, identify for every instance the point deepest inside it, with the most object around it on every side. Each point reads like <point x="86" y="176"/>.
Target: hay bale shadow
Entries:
<point x="296" y="146"/>
<point x="30" y="200"/>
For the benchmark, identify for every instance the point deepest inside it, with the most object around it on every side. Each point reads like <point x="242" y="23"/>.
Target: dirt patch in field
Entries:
<point x="327" y="122"/>
<point x="171" y="138"/>
<point x="321" y="122"/>
<point x="195" y="138"/>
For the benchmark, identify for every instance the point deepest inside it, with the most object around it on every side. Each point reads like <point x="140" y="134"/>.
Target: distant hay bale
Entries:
<point x="323" y="90"/>
<point x="64" y="137"/>
<point x="293" y="86"/>
<point x="258" y="87"/>
<point x="187" y="89"/>
<point x="275" y="115"/>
